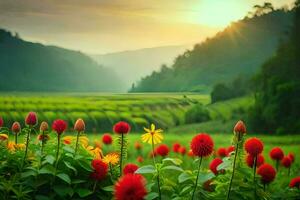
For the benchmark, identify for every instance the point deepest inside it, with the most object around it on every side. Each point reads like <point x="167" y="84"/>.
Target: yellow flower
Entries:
<point x="152" y="135"/>
<point x="11" y="146"/>
<point x="84" y="141"/>
<point x="68" y="139"/>
<point x="3" y="137"/>
<point x="96" y="152"/>
<point x="20" y="146"/>
<point x="111" y="158"/>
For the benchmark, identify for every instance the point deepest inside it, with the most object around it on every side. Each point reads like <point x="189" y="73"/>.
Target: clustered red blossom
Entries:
<point x="267" y="173"/>
<point x="162" y="150"/>
<point x="214" y="164"/>
<point x="176" y="147"/>
<point x="259" y="160"/>
<point x="202" y="145"/>
<point x="286" y="162"/>
<point x="130" y="187"/>
<point x="107" y="139"/>
<point x="121" y="128"/>
<point x="222" y="152"/>
<point x="130" y="168"/>
<point x="295" y="182"/>
<point x="254" y="146"/>
<point x="59" y="126"/>
<point x="31" y="119"/>
<point x="276" y="153"/>
<point x="100" y="170"/>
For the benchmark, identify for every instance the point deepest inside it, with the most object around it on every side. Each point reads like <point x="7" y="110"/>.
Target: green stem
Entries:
<point x="254" y="173"/>
<point x="77" y="139"/>
<point x="264" y="187"/>
<point x="195" y="187"/>
<point x="27" y="143"/>
<point x="43" y="143"/>
<point x="154" y="163"/>
<point x="289" y="171"/>
<point x="121" y="156"/>
<point x="277" y="165"/>
<point x="57" y="152"/>
<point x="95" y="185"/>
<point x="16" y="138"/>
<point x="233" y="168"/>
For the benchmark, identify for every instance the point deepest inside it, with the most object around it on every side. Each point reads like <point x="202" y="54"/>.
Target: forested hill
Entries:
<point x="27" y="66"/>
<point x="238" y="50"/>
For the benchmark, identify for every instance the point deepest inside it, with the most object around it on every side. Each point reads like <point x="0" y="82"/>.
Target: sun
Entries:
<point x="219" y="13"/>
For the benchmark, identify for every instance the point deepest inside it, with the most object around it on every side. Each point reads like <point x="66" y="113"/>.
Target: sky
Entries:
<point x="104" y="26"/>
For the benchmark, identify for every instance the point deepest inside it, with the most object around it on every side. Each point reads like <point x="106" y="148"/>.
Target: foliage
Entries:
<point x="277" y="88"/>
<point x="196" y="114"/>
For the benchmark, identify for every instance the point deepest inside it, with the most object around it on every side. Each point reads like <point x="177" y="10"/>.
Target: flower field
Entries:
<point x="60" y="161"/>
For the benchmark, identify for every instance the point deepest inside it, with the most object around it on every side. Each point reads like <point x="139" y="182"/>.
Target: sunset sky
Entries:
<point x="102" y="26"/>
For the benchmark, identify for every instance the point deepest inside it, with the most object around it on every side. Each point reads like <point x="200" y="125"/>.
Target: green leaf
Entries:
<point x="77" y="181"/>
<point x="28" y="173"/>
<point x="48" y="169"/>
<point x="186" y="189"/>
<point x="42" y="197"/>
<point x="151" y="195"/>
<point x="148" y="169"/>
<point x="85" y="165"/>
<point x="64" y="177"/>
<point x="49" y="159"/>
<point x="176" y="161"/>
<point x="224" y="165"/>
<point x="63" y="190"/>
<point x="82" y="192"/>
<point x="172" y="167"/>
<point x="69" y="149"/>
<point x="184" y="177"/>
<point x="108" y="188"/>
<point x="68" y="165"/>
<point x="203" y="177"/>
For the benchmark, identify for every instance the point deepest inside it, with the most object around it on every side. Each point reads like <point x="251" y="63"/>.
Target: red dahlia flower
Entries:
<point x="130" y="187"/>
<point x="99" y="165"/>
<point x="292" y="156"/>
<point x="240" y="127"/>
<point x="253" y="146"/>
<point x="267" y="173"/>
<point x="59" y="126"/>
<point x="16" y="127"/>
<point x="130" y="168"/>
<point x="222" y="152"/>
<point x="1" y="122"/>
<point x="295" y="182"/>
<point x="121" y="128"/>
<point x="230" y="149"/>
<point x="214" y="164"/>
<point x="140" y="159"/>
<point x="162" y="150"/>
<point x="250" y="160"/>
<point x="202" y="145"/>
<point x="107" y="139"/>
<point x="182" y="150"/>
<point x="190" y="153"/>
<point x="79" y="125"/>
<point x="176" y="147"/>
<point x="138" y="146"/>
<point x="31" y="119"/>
<point x="98" y="175"/>
<point x="276" y="153"/>
<point x="286" y="162"/>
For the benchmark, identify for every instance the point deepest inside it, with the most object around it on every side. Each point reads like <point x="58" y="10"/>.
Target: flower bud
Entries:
<point x="240" y="127"/>
<point x="31" y="119"/>
<point x="16" y="127"/>
<point x="79" y="125"/>
<point x="44" y="126"/>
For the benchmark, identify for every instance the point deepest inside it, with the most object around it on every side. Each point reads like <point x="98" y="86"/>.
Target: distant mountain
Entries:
<point x="132" y="65"/>
<point x="239" y="50"/>
<point x="27" y="66"/>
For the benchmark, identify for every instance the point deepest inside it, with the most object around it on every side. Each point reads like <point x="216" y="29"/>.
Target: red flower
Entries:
<point x="101" y="169"/>
<point x="79" y="125"/>
<point x="202" y="145"/>
<point x="137" y="146"/>
<point x="253" y="146"/>
<point x="130" y="187"/>
<point x="295" y="182"/>
<point x="214" y="164"/>
<point x="250" y="160"/>
<point x="106" y="138"/>
<point x="230" y="149"/>
<point x="240" y="127"/>
<point x="59" y="126"/>
<point x="292" y="157"/>
<point x="286" y="162"/>
<point x="162" y="150"/>
<point x="1" y="122"/>
<point x="267" y="173"/>
<point x="31" y="119"/>
<point x="182" y="150"/>
<point x="222" y="152"/>
<point x="16" y="127"/>
<point x="276" y="153"/>
<point x="42" y="137"/>
<point x="130" y="168"/>
<point x="121" y="128"/>
<point x="140" y="159"/>
<point x="176" y="147"/>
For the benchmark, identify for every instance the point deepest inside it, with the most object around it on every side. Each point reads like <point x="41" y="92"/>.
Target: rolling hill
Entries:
<point x="239" y="50"/>
<point x="27" y="66"/>
<point x="138" y="63"/>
